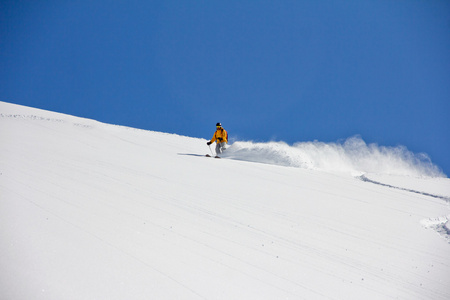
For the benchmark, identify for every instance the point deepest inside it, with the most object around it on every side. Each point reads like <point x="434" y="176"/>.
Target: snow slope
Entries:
<point x="96" y="211"/>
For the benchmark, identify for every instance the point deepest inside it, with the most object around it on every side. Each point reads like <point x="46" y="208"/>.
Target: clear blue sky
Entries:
<point x="268" y="70"/>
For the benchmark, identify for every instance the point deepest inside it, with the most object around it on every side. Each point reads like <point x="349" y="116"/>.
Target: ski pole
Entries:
<point x="210" y="150"/>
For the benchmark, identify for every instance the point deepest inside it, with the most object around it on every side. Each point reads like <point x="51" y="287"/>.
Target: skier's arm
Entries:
<point x="213" y="138"/>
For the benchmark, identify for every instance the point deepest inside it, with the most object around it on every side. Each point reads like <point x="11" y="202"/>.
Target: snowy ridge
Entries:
<point x="96" y="211"/>
<point x="352" y="156"/>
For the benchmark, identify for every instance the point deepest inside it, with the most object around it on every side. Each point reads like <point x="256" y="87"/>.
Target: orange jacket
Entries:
<point x="220" y="135"/>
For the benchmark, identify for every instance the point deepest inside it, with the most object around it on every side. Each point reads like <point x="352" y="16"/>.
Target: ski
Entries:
<point x="207" y="155"/>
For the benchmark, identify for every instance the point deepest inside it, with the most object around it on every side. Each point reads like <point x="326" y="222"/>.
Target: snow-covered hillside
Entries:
<point x="96" y="211"/>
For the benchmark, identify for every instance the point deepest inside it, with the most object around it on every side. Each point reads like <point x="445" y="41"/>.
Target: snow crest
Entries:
<point x="353" y="156"/>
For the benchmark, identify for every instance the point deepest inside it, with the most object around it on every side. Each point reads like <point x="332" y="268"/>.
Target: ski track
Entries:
<point x="365" y="179"/>
<point x="439" y="224"/>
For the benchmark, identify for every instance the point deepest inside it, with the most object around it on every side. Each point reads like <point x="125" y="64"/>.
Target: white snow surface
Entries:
<point x="96" y="211"/>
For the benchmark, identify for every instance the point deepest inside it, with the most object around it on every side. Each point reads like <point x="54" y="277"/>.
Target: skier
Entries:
<point x="221" y="139"/>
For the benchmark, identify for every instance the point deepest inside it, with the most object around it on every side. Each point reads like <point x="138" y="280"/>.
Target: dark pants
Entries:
<point x="220" y="147"/>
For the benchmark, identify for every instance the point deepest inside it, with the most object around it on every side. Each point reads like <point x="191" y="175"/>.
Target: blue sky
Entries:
<point x="268" y="70"/>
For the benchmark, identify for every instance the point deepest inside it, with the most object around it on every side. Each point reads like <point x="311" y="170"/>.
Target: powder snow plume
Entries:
<point x="352" y="156"/>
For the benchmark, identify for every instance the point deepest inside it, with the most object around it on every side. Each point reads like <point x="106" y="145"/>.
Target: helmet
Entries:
<point x="218" y="124"/>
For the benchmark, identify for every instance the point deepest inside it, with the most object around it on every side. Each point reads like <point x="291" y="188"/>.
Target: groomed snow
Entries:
<point x="96" y="211"/>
